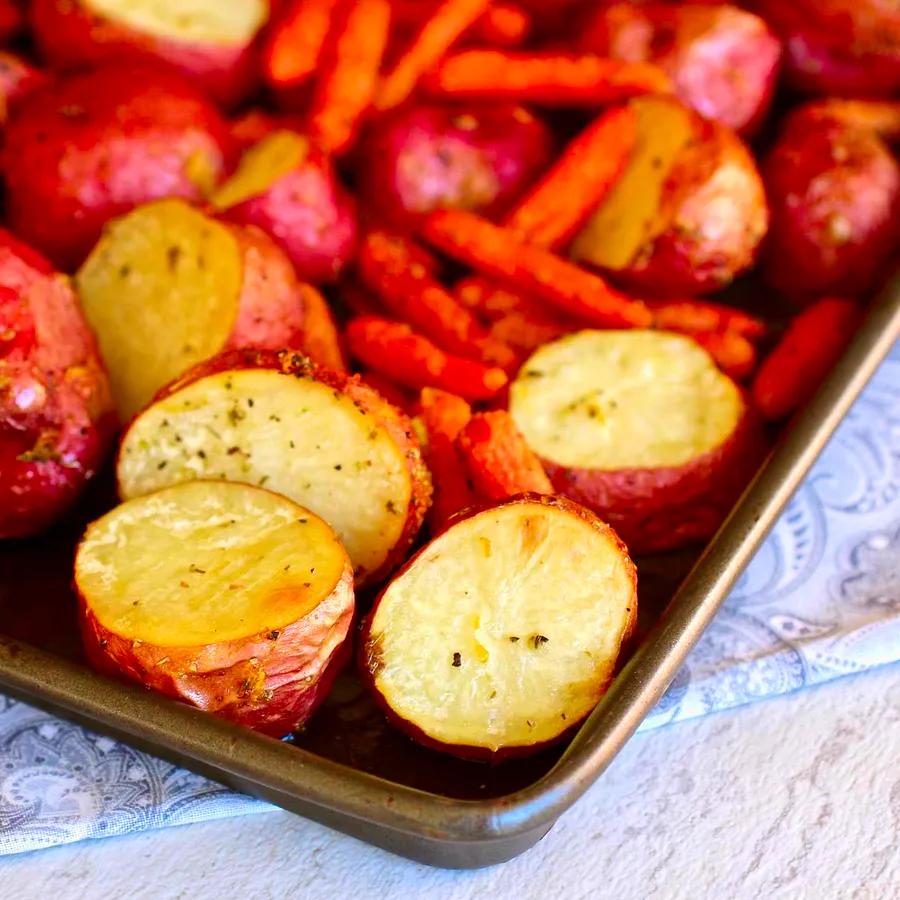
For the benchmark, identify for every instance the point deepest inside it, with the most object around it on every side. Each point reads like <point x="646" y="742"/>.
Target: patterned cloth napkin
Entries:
<point x="821" y="599"/>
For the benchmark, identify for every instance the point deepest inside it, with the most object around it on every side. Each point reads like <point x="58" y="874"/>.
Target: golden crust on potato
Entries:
<point x="640" y="426"/>
<point x="275" y="420"/>
<point x="503" y="632"/>
<point x="230" y="597"/>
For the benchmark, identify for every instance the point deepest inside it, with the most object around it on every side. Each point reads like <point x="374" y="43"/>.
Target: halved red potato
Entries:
<point x="689" y="211"/>
<point x="643" y="428"/>
<point x="322" y="438"/>
<point x="723" y="61"/>
<point x="834" y="191"/>
<point x="288" y="188"/>
<point x="168" y="286"/>
<point x="93" y="145"/>
<point x="209" y="41"/>
<point x="502" y="633"/>
<point x="427" y="157"/>
<point x="56" y="414"/>
<point x="228" y="597"/>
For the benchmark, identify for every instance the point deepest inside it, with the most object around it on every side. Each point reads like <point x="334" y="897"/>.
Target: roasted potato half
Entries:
<point x="641" y="427"/>
<point x="93" y="145"/>
<point x="56" y="414"/>
<point x="502" y="633"/>
<point x="209" y="41"/>
<point x="228" y="597"/>
<point x="689" y="211"/>
<point x="287" y="187"/>
<point x="324" y="439"/>
<point x="168" y="286"/>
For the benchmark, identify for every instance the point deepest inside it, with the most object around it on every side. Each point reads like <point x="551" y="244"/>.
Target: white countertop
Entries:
<point x="794" y="797"/>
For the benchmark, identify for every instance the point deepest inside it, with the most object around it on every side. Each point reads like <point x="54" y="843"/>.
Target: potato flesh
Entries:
<point x="628" y="218"/>
<point x="160" y="291"/>
<point x="220" y="22"/>
<point x="203" y="562"/>
<point x="292" y="435"/>
<point x="261" y="166"/>
<point x="505" y="630"/>
<point x="614" y="400"/>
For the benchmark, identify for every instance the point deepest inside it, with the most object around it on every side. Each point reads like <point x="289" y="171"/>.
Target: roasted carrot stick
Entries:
<point x="692" y="316"/>
<point x="503" y="25"/>
<point x="811" y="345"/>
<point x="321" y="340"/>
<point x="293" y="49"/>
<point x="498" y="460"/>
<point x="410" y="359"/>
<point x="439" y="32"/>
<point x="495" y="251"/>
<point x="388" y="266"/>
<point x="345" y="87"/>
<point x="733" y="353"/>
<point x="586" y="171"/>
<point x="444" y="415"/>
<point x="550" y="79"/>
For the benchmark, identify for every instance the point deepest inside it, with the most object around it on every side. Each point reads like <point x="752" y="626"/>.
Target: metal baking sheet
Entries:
<point x="349" y="769"/>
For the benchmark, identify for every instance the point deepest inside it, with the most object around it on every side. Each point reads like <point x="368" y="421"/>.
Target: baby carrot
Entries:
<point x="293" y="48"/>
<point x="692" y="316"/>
<point x="321" y="341"/>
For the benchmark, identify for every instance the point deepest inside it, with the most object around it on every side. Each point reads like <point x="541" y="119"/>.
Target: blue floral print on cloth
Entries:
<point x="821" y="599"/>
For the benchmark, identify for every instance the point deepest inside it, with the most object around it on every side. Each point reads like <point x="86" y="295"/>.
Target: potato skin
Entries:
<point x="838" y="47"/>
<point x="56" y="414"/>
<point x="98" y="143"/>
<point x="660" y="509"/>
<point x="426" y="157"/>
<point x="395" y="422"/>
<point x="367" y="657"/>
<point x="835" y="197"/>
<point x="70" y="35"/>
<point x="271" y="681"/>
<point x="309" y="213"/>
<point x="723" y="61"/>
<point x="713" y="216"/>
<point x="271" y="308"/>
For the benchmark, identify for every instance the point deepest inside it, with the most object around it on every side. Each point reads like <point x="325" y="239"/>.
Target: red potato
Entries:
<point x="56" y="417"/>
<point x="168" y="286"/>
<point x="425" y="157"/>
<point x="838" y="47"/>
<point x="227" y="597"/>
<point x="835" y="197"/>
<point x="689" y="212"/>
<point x="503" y="633"/>
<point x="324" y="439"/>
<point x="94" y="145"/>
<point x="723" y="61"/>
<point x="208" y="41"/>
<point x="287" y="187"/>
<point x="641" y="427"/>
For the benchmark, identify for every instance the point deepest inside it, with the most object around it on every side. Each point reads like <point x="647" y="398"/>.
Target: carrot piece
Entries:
<point x="437" y="34"/>
<point x="562" y="200"/>
<point x="444" y="416"/>
<point x="551" y="79"/>
<point x="496" y="251"/>
<point x="321" y="340"/>
<point x="810" y="346"/>
<point x="390" y="390"/>
<point x="503" y="25"/>
<point x="698" y="316"/>
<point x="733" y="353"/>
<point x="498" y="460"/>
<point x="346" y="86"/>
<point x="293" y="49"/>
<point x="395" y="350"/>
<point x="388" y="266"/>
